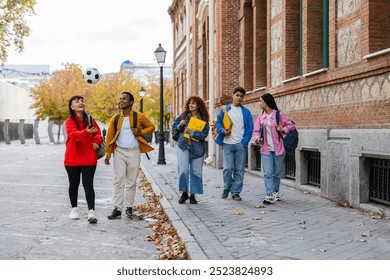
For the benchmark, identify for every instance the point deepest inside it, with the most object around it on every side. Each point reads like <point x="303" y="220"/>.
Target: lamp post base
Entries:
<point x="161" y="149"/>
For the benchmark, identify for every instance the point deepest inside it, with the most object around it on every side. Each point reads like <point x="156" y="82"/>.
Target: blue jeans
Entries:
<point x="234" y="156"/>
<point x="272" y="169"/>
<point x="190" y="172"/>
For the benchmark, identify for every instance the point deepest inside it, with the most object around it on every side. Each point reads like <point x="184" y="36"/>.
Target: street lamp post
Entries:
<point x="160" y="57"/>
<point x="142" y="92"/>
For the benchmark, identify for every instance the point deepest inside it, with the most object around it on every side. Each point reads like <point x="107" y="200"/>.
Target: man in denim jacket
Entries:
<point x="234" y="143"/>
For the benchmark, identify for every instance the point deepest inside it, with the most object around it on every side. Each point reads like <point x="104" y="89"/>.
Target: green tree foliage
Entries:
<point x="13" y="27"/>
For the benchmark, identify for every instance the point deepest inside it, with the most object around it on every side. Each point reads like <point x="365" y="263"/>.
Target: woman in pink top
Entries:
<point x="267" y="133"/>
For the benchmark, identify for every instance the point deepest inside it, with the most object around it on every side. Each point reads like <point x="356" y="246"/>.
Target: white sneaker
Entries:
<point x="269" y="199"/>
<point x="91" y="217"/>
<point x="277" y="196"/>
<point x="74" y="214"/>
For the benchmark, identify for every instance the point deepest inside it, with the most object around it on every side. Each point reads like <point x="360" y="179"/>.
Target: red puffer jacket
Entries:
<point x="79" y="150"/>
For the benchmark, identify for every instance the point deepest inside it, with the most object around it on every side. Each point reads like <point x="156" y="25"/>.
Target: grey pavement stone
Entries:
<point x="35" y="225"/>
<point x="34" y="209"/>
<point x="302" y="226"/>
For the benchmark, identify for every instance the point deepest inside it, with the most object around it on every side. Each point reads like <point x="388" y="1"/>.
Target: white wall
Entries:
<point x="15" y="104"/>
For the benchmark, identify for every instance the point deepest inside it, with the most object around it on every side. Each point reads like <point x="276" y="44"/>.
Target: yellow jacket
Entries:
<point x="143" y="124"/>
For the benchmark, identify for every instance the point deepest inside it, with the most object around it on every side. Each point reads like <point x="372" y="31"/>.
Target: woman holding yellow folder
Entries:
<point x="193" y="125"/>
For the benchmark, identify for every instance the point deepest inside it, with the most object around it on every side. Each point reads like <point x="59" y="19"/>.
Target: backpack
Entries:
<point x="227" y="124"/>
<point x="290" y="142"/>
<point x="148" y="137"/>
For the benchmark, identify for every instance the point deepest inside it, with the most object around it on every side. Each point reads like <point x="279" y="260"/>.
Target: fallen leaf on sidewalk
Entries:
<point x="239" y="212"/>
<point x="165" y="235"/>
<point x="259" y="206"/>
<point x="367" y="233"/>
<point x="256" y="218"/>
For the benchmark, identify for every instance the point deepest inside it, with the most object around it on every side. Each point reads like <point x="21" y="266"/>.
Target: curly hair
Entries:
<point x="202" y="107"/>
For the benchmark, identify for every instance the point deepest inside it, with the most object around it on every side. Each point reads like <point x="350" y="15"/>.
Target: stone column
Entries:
<point x="35" y="131"/>
<point x="50" y="131"/>
<point x="7" y="138"/>
<point x="21" y="132"/>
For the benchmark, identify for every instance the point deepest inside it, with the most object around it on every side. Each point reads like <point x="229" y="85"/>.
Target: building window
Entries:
<point x="314" y="36"/>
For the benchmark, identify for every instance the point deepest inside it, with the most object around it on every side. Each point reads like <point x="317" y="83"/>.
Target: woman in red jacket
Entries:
<point x="83" y="138"/>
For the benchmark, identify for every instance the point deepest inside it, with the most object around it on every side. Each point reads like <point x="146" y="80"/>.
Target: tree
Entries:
<point x="13" y="27"/>
<point x="152" y="99"/>
<point x="51" y="97"/>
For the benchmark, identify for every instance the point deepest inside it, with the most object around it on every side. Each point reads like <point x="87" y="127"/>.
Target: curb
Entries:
<point x="194" y="252"/>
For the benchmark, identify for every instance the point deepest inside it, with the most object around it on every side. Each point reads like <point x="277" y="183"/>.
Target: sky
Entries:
<point x="96" y="33"/>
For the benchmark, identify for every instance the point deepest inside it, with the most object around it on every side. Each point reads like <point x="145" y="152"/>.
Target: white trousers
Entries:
<point x="126" y="168"/>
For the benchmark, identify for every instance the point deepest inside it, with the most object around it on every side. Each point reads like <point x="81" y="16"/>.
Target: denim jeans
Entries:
<point x="272" y="169"/>
<point x="190" y="172"/>
<point x="234" y="156"/>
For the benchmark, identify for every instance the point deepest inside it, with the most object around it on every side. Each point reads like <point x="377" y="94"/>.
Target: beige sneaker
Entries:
<point x="91" y="217"/>
<point x="74" y="214"/>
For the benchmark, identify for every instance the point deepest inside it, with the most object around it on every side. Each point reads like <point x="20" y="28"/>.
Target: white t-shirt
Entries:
<point x="126" y="138"/>
<point x="271" y="147"/>
<point x="235" y="115"/>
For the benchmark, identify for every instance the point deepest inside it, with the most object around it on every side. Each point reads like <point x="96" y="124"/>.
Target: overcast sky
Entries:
<point x="96" y="33"/>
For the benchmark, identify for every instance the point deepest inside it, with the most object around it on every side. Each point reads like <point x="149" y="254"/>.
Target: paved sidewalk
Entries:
<point x="34" y="209"/>
<point x="302" y="226"/>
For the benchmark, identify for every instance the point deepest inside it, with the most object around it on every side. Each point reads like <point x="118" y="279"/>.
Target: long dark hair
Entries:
<point x="202" y="108"/>
<point x="269" y="99"/>
<point x="73" y="113"/>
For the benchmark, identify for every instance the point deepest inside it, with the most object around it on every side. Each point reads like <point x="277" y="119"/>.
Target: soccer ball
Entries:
<point x="91" y="75"/>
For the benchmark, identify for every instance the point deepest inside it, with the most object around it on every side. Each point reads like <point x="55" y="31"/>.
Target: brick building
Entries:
<point x="327" y="63"/>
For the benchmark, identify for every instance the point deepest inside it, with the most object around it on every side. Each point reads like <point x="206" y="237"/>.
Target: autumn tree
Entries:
<point x="152" y="100"/>
<point x="13" y="27"/>
<point x="50" y="98"/>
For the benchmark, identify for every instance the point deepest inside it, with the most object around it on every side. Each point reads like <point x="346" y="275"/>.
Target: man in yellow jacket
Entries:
<point x="125" y="140"/>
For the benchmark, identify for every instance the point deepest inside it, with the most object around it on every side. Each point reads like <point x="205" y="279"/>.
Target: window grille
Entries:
<point x="290" y="166"/>
<point x="314" y="168"/>
<point x="379" y="185"/>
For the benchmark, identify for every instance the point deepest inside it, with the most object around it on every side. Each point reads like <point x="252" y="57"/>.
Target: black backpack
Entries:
<point x="290" y="142"/>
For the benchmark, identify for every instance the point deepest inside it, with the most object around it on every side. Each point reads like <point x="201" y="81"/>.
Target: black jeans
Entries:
<point x="87" y="173"/>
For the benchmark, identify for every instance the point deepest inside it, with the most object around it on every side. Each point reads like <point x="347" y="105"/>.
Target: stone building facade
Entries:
<point x="327" y="63"/>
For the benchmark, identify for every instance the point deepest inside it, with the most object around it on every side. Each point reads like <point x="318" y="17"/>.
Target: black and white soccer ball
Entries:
<point x="91" y="75"/>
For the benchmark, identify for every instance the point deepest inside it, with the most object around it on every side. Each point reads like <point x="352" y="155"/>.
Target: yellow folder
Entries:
<point x="196" y="124"/>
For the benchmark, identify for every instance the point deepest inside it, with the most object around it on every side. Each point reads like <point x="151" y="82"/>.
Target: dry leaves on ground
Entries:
<point x="165" y="236"/>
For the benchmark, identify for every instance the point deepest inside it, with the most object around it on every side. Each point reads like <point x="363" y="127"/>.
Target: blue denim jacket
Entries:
<point x="248" y="125"/>
<point x="198" y="149"/>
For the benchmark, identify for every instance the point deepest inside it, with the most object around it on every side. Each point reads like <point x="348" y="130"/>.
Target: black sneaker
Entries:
<point x="192" y="199"/>
<point x="236" y="197"/>
<point x="116" y="214"/>
<point x="225" y="193"/>
<point x="183" y="198"/>
<point x="129" y="212"/>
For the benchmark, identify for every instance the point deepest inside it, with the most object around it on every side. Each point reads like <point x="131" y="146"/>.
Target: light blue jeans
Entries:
<point x="234" y="156"/>
<point x="272" y="169"/>
<point x="190" y="172"/>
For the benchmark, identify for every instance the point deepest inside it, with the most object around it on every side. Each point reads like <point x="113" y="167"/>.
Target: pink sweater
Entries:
<point x="286" y="124"/>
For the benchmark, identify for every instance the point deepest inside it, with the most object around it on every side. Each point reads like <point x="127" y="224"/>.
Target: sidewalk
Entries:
<point x="302" y="226"/>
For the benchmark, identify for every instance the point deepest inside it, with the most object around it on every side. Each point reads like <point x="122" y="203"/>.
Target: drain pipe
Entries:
<point x="188" y="51"/>
<point x="211" y="145"/>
